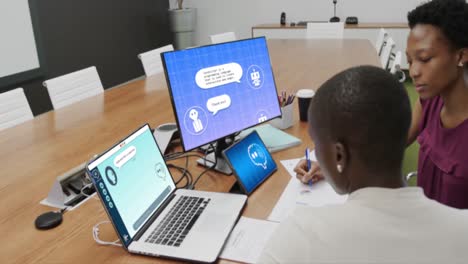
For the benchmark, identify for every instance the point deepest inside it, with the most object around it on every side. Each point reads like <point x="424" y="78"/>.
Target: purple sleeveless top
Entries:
<point x="443" y="157"/>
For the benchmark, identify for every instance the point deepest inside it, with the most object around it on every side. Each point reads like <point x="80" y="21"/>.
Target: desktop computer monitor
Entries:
<point x="218" y="90"/>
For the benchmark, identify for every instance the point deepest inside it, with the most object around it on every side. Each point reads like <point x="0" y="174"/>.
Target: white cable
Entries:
<point x="88" y="195"/>
<point x="99" y="241"/>
<point x="84" y="187"/>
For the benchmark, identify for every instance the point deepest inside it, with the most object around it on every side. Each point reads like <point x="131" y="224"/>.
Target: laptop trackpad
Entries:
<point x="213" y="222"/>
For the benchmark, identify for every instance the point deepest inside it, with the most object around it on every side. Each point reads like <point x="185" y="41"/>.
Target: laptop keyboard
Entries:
<point x="177" y="223"/>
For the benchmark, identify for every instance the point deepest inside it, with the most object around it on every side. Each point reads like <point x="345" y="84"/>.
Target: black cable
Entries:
<point x="206" y="170"/>
<point x="191" y="154"/>
<point x="63" y="210"/>
<point x="185" y="175"/>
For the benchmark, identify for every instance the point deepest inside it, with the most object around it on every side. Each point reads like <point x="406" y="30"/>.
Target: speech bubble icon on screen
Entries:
<point x="218" y="103"/>
<point x="124" y="157"/>
<point x="211" y="77"/>
<point x="160" y="170"/>
<point x="257" y="155"/>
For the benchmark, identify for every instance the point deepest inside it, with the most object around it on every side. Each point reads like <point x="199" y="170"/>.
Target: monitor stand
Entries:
<point x="216" y="156"/>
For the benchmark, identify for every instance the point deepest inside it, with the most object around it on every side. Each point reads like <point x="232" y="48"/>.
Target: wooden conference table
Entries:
<point x="34" y="153"/>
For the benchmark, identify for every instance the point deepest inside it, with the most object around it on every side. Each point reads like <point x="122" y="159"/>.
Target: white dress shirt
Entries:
<point x="375" y="225"/>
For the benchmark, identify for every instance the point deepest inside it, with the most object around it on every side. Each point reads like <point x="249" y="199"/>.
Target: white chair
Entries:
<point x="151" y="60"/>
<point x="14" y="108"/>
<point x="396" y="68"/>
<point x="387" y="52"/>
<point x="379" y="43"/>
<point x="325" y="30"/>
<point x="223" y="37"/>
<point x="73" y="87"/>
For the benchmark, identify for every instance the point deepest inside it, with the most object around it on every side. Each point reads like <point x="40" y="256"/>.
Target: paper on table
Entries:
<point x="298" y="194"/>
<point x="247" y="240"/>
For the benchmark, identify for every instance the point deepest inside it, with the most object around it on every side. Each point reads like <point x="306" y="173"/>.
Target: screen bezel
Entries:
<point x="88" y="171"/>
<point x="234" y="171"/>
<point x="163" y="60"/>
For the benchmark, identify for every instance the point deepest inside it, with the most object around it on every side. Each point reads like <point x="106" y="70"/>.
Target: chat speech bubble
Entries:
<point x="257" y="155"/>
<point x="160" y="170"/>
<point x="125" y="156"/>
<point x="211" y="77"/>
<point x="218" y="103"/>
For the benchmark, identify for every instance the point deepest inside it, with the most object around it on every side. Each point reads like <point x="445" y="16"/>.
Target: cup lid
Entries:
<point x="305" y="93"/>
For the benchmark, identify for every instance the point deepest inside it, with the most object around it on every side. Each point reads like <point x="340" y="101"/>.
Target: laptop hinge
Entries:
<point x="153" y="217"/>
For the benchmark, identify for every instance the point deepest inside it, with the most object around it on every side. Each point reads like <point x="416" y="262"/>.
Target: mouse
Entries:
<point x="48" y="220"/>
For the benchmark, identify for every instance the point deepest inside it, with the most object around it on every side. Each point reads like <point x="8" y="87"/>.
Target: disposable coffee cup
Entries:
<point x="304" y="96"/>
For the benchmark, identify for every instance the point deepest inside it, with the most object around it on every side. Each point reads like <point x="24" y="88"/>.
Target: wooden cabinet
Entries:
<point x="398" y="31"/>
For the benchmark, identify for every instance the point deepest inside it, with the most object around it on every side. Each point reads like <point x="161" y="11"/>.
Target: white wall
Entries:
<point x="17" y="44"/>
<point x="216" y="16"/>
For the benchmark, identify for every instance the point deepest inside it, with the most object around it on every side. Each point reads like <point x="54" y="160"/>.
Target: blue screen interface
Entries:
<point x="251" y="161"/>
<point x="132" y="180"/>
<point x="220" y="89"/>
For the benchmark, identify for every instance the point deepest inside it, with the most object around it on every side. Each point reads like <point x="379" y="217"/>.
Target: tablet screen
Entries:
<point x="250" y="161"/>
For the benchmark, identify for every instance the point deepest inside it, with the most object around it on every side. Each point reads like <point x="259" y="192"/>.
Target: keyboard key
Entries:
<point x="178" y="222"/>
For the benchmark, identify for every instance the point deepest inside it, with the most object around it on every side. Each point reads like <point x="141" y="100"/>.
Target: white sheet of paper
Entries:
<point x="298" y="194"/>
<point x="247" y="240"/>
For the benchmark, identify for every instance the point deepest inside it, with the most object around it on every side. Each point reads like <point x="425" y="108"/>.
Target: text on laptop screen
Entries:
<point x="220" y="89"/>
<point x="132" y="180"/>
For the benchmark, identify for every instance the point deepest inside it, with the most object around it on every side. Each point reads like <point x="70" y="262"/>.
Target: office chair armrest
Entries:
<point x="411" y="175"/>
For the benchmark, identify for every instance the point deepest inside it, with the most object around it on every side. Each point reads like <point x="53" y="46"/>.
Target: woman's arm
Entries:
<point x="415" y="123"/>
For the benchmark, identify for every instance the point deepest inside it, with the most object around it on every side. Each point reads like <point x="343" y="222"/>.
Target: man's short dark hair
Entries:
<point x="366" y="109"/>
<point x="451" y="16"/>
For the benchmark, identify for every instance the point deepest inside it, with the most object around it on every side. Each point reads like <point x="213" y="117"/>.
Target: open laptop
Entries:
<point x="151" y="216"/>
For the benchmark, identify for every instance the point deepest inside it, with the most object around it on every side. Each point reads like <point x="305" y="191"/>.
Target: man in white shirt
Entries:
<point x="359" y="120"/>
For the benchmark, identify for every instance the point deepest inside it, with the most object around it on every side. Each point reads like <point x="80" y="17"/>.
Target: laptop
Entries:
<point x="150" y="215"/>
<point x="250" y="162"/>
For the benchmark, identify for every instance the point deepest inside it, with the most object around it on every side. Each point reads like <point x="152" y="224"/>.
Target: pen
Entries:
<point x="307" y="155"/>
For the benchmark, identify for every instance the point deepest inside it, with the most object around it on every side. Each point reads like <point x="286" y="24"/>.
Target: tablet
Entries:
<point x="250" y="162"/>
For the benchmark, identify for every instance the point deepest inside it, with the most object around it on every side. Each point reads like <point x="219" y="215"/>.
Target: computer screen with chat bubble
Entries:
<point x="132" y="180"/>
<point x="218" y="90"/>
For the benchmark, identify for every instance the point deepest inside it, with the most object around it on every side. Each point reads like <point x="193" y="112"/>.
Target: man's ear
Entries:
<point x="341" y="157"/>
<point x="342" y="166"/>
<point x="463" y="57"/>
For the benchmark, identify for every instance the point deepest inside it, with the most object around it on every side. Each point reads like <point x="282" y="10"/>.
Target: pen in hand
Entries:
<point x="307" y="155"/>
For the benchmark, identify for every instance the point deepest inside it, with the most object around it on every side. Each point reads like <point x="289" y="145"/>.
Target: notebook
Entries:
<point x="275" y="139"/>
<point x="250" y="162"/>
<point x="151" y="216"/>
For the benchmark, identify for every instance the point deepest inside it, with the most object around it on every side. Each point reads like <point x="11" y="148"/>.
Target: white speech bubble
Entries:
<point x="257" y="155"/>
<point x="211" y="77"/>
<point x="125" y="156"/>
<point x="218" y="103"/>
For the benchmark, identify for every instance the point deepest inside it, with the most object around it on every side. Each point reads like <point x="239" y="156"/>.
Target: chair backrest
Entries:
<point x="73" y="87"/>
<point x="151" y="60"/>
<point x="223" y="37"/>
<point x="396" y="67"/>
<point x="380" y="40"/>
<point x="14" y="108"/>
<point x="325" y="30"/>
<point x="387" y="52"/>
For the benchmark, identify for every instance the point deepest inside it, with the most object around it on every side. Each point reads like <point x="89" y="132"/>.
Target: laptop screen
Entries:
<point x="251" y="161"/>
<point x="132" y="180"/>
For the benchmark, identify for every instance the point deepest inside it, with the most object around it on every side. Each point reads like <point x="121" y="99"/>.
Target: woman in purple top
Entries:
<point x="437" y="52"/>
